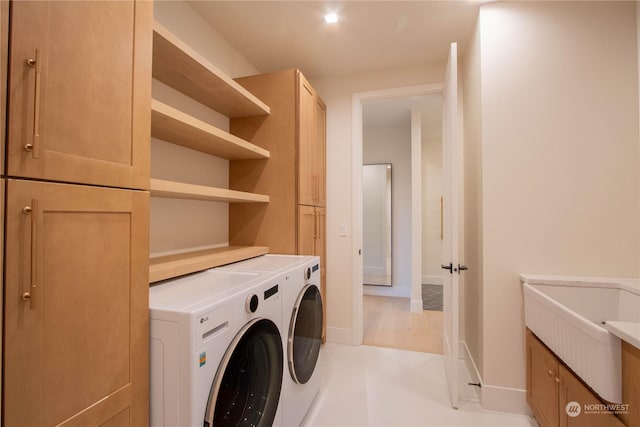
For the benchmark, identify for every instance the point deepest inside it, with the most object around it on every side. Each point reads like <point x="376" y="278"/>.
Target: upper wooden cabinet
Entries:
<point x="311" y="151"/>
<point x="76" y="305"/>
<point x="80" y="92"/>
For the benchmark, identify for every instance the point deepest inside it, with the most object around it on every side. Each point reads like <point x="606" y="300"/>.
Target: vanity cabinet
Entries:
<point x="552" y="387"/>
<point x="631" y="384"/>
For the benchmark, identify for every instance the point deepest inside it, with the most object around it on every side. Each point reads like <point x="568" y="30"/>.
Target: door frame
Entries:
<point x="358" y="99"/>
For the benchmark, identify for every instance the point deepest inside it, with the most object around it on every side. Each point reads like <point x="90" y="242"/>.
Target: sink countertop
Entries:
<point x="630" y="285"/>
<point x="627" y="331"/>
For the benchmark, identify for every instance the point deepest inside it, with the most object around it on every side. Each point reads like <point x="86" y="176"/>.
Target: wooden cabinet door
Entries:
<point x="320" y="155"/>
<point x="80" y="91"/>
<point x="321" y="251"/>
<point x="306" y="137"/>
<point x="307" y="224"/>
<point x="630" y="384"/>
<point x="574" y="392"/>
<point x="2" y="184"/>
<point x="76" y="306"/>
<point x="542" y="386"/>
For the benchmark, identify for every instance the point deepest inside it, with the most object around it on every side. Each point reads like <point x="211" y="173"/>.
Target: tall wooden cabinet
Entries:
<point x="77" y="213"/>
<point x="294" y="177"/>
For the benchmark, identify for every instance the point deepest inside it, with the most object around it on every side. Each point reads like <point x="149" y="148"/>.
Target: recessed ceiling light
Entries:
<point x="331" y="18"/>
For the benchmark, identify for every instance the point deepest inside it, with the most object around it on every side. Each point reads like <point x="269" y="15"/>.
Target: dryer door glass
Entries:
<point x="305" y="334"/>
<point x="246" y="389"/>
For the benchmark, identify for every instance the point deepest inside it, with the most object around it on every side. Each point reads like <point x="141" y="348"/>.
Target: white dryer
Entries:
<point x="302" y="318"/>
<point x="216" y="350"/>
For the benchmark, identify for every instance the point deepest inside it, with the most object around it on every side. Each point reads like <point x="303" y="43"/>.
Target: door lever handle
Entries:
<point x="447" y="267"/>
<point x="462" y="268"/>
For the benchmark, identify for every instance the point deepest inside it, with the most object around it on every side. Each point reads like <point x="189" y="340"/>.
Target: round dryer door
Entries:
<point x="246" y="388"/>
<point x="305" y="334"/>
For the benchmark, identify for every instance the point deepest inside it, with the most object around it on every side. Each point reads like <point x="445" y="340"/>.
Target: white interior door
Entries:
<point x="452" y="174"/>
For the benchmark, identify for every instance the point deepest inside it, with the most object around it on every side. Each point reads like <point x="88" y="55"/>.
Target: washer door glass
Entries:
<point x="246" y="388"/>
<point x="305" y="334"/>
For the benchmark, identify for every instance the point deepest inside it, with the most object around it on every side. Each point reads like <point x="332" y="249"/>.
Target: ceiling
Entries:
<point x="388" y="112"/>
<point x="371" y="36"/>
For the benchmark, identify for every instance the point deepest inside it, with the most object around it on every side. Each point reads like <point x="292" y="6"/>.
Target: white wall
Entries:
<point x="431" y="193"/>
<point x="560" y="161"/>
<point x="185" y="224"/>
<point x="393" y="145"/>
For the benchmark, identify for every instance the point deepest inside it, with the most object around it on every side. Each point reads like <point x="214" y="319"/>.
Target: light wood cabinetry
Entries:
<point x="176" y="64"/>
<point x="542" y="385"/>
<point x="552" y="388"/>
<point x="4" y="49"/>
<point x="293" y="177"/>
<point x="311" y="146"/>
<point x="79" y="92"/>
<point x="290" y="134"/>
<point x="76" y="320"/>
<point x="75" y="332"/>
<point x="631" y="384"/>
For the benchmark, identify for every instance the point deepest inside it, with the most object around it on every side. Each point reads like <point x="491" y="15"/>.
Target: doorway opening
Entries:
<point x="398" y="134"/>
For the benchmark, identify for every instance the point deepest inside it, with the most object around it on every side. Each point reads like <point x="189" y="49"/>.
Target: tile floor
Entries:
<point x="374" y="386"/>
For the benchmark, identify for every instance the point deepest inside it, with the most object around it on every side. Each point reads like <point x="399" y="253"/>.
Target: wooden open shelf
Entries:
<point x="172" y="125"/>
<point x="176" y="64"/>
<point x="167" y="267"/>
<point x="179" y="190"/>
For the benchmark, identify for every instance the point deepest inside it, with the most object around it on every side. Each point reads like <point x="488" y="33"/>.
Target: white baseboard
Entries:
<point x="387" y="291"/>
<point x="416" y="306"/>
<point x="432" y="280"/>
<point x="475" y="394"/>
<point x="340" y="335"/>
<point x="505" y="399"/>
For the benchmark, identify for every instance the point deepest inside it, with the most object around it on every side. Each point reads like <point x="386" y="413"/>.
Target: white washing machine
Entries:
<point x="216" y="350"/>
<point x="302" y="319"/>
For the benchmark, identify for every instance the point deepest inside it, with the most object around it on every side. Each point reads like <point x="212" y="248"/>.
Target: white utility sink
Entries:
<point x="569" y="314"/>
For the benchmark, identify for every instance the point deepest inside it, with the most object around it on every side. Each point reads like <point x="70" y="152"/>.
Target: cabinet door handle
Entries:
<point x="551" y="373"/>
<point x="33" y="146"/>
<point x="30" y="295"/>
<point x="315" y="228"/>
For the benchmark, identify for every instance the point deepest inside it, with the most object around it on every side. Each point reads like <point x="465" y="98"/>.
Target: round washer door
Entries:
<point x="246" y="388"/>
<point x="305" y="334"/>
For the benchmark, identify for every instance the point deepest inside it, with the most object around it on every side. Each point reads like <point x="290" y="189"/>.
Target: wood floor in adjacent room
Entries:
<point x="388" y="322"/>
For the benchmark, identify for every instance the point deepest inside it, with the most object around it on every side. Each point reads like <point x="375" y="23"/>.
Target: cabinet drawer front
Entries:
<point x="77" y="346"/>
<point x="79" y="92"/>
<point x="542" y="382"/>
